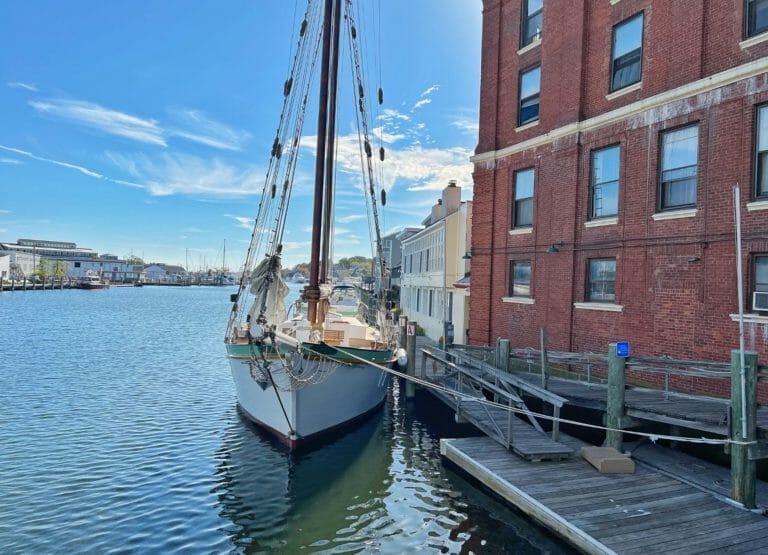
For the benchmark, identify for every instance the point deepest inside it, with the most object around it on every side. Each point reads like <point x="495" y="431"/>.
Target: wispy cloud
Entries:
<point x="196" y="126"/>
<point x="194" y="230"/>
<point x="467" y="124"/>
<point x="416" y="167"/>
<point x="81" y="169"/>
<point x="351" y="218"/>
<point x="10" y="161"/>
<point x="422" y="102"/>
<point x="242" y="221"/>
<point x="25" y="86"/>
<point x="104" y="119"/>
<point x="430" y="90"/>
<point x="181" y="174"/>
<point x="3" y="211"/>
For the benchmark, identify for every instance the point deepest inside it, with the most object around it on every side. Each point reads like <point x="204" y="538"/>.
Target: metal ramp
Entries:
<point x="528" y="440"/>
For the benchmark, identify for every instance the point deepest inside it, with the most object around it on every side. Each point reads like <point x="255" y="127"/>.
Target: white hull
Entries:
<point x="346" y="394"/>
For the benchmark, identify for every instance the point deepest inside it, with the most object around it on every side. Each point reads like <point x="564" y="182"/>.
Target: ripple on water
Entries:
<point x="120" y="433"/>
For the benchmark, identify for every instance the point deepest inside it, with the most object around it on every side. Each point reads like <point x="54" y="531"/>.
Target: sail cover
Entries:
<point x="270" y="290"/>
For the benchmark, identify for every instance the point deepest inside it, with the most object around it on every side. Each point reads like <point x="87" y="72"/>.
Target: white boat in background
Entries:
<point x="303" y="376"/>
<point x="92" y="281"/>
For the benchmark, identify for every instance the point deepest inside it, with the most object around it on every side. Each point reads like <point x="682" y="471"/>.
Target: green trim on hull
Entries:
<point x="243" y="350"/>
<point x="323" y="349"/>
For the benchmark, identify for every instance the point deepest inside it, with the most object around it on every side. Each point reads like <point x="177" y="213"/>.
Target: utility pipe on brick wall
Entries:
<point x="740" y="290"/>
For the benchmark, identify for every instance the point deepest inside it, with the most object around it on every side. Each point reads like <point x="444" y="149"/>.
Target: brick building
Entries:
<point x="612" y="133"/>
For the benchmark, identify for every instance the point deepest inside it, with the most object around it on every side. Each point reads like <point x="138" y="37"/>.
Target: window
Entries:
<point x="531" y="21"/>
<point x="418" y="300"/>
<point x="430" y="301"/>
<point x="761" y="154"/>
<point x="77" y="264"/>
<point x="604" y="196"/>
<point x="679" y="156"/>
<point x="427" y="262"/>
<point x="601" y="280"/>
<point x="519" y="279"/>
<point x="627" y="55"/>
<point x="522" y="215"/>
<point x="530" y="85"/>
<point x="756" y="13"/>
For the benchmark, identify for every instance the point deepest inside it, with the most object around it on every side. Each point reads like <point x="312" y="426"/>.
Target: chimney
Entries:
<point x="437" y="212"/>
<point x="451" y="198"/>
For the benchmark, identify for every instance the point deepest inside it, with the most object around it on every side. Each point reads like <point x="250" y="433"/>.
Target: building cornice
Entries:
<point x="713" y="82"/>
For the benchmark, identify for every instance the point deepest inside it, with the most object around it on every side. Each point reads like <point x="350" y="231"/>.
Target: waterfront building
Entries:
<point x="164" y="273"/>
<point x="77" y="261"/>
<point x="611" y="136"/>
<point x="14" y="266"/>
<point x="433" y="261"/>
<point x="393" y="254"/>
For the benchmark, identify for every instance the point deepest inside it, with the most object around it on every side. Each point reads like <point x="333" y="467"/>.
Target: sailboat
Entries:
<point x="303" y="374"/>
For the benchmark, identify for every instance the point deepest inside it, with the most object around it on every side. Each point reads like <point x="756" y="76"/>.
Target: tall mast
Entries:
<point x="312" y="291"/>
<point x="330" y="153"/>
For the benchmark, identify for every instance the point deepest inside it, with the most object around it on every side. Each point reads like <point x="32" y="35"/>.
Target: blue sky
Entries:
<point x="145" y="127"/>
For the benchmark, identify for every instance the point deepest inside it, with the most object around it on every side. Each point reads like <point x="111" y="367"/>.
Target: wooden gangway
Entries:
<point x="467" y="390"/>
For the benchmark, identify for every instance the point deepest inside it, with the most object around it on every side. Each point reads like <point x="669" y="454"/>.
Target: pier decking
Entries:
<point x="672" y="503"/>
<point x="644" y="512"/>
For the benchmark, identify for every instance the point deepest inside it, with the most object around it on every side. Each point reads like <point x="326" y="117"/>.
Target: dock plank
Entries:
<point x="647" y="512"/>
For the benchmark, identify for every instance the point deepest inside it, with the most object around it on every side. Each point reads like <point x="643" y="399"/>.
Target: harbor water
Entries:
<point x="120" y="433"/>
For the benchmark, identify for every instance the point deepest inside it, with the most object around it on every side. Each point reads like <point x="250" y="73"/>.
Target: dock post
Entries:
<point x="615" y="410"/>
<point x="403" y="322"/>
<point x="410" y="387"/>
<point x="544" y="358"/>
<point x="503" y="363"/>
<point x="743" y="470"/>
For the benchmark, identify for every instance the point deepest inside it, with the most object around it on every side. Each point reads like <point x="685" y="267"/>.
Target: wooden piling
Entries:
<point x="615" y="407"/>
<point x="410" y="388"/>
<point x="743" y="469"/>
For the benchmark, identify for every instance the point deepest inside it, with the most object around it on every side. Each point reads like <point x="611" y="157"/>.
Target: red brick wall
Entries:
<point x="675" y="278"/>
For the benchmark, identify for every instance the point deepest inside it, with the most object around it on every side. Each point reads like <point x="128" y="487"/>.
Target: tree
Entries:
<point x="59" y="269"/>
<point x="134" y="260"/>
<point x="41" y="270"/>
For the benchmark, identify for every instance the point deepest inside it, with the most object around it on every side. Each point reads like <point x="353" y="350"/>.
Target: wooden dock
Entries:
<point x="672" y="503"/>
<point x="644" y="512"/>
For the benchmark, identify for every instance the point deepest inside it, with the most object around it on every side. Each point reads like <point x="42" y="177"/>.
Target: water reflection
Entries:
<point x="380" y="487"/>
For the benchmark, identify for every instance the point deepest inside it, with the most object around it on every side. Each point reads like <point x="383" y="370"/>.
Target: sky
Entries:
<point x="145" y="127"/>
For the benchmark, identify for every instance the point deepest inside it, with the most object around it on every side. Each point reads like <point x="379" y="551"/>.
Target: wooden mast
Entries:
<point x="330" y="153"/>
<point x="312" y="291"/>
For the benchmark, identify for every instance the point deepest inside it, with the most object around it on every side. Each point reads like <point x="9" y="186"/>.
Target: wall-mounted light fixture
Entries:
<point x="467" y="255"/>
<point x="553" y="248"/>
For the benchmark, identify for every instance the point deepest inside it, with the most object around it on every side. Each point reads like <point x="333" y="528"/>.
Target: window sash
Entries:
<point x="601" y="280"/>
<point x="524" y="212"/>
<point x="757" y="17"/>
<point x="604" y="198"/>
<point x="532" y="20"/>
<point x="761" y="154"/>
<point x="520" y="279"/>
<point x="530" y="88"/>
<point x="679" y="168"/>
<point x="761" y="273"/>
<point x="523" y="206"/>
<point x="627" y="52"/>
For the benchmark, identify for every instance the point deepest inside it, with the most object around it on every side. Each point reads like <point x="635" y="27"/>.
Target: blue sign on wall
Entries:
<point x="622" y="349"/>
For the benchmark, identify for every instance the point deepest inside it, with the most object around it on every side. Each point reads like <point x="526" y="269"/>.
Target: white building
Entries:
<point x="77" y="261"/>
<point x="164" y="273"/>
<point x="435" y="268"/>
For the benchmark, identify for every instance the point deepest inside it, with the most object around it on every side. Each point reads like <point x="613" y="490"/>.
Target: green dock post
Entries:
<point x="410" y="387"/>
<point x="503" y="362"/>
<point x="743" y="470"/>
<point x="615" y="410"/>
